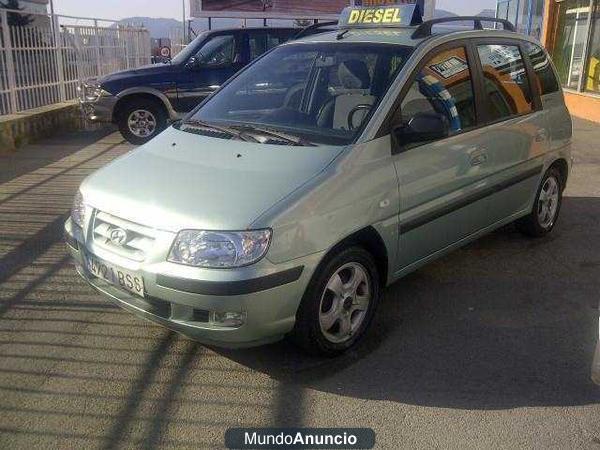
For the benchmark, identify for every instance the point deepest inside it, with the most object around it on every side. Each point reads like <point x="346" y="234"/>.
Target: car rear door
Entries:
<point x="558" y="119"/>
<point x="442" y="182"/>
<point x="515" y="127"/>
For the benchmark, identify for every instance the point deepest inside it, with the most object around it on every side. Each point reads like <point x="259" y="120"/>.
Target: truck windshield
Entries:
<point x="320" y="93"/>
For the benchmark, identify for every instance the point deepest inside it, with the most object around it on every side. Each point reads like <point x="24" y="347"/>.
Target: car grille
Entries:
<point x="138" y="240"/>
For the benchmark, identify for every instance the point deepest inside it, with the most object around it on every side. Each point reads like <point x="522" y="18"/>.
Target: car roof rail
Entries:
<point x="424" y="30"/>
<point x="307" y="31"/>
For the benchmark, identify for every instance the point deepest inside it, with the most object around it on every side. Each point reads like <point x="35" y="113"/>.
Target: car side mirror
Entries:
<point x="422" y="127"/>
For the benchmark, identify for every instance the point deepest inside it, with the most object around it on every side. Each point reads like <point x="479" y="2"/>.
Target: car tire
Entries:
<point x="141" y="119"/>
<point x="546" y="207"/>
<point x="346" y="286"/>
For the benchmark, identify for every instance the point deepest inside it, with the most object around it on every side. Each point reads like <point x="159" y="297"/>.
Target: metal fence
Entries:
<point x="42" y="62"/>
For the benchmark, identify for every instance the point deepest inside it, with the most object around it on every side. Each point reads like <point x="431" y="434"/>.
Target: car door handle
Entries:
<point x="478" y="157"/>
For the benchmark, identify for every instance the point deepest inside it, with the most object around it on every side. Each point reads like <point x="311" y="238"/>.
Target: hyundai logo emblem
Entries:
<point x="118" y="236"/>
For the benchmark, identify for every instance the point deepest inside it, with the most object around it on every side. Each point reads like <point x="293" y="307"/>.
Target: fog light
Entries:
<point x="229" y="319"/>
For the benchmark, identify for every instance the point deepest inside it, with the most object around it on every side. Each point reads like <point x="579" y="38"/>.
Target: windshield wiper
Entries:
<point x="227" y="130"/>
<point x="295" y="140"/>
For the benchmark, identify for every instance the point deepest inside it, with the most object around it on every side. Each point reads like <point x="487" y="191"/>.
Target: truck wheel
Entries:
<point x="339" y="303"/>
<point x="140" y="119"/>
<point x="546" y="207"/>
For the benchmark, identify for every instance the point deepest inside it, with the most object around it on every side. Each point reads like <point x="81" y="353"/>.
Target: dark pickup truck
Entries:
<point x="142" y="101"/>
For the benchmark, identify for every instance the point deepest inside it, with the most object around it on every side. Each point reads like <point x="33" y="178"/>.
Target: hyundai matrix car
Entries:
<point x="323" y="172"/>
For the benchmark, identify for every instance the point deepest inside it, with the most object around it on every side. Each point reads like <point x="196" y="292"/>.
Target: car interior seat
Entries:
<point x="354" y="92"/>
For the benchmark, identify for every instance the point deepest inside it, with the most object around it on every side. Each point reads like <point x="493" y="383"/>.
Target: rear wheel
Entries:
<point x="546" y="207"/>
<point x="338" y="304"/>
<point x="140" y="119"/>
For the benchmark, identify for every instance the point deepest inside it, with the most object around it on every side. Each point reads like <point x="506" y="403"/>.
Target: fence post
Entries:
<point x="124" y="33"/>
<point x="60" y="68"/>
<point x="97" y="33"/>
<point x="10" y="63"/>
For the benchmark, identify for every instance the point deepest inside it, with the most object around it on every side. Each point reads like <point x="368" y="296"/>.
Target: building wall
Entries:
<point x="581" y="104"/>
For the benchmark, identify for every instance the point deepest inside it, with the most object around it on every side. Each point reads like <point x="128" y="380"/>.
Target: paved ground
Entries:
<point x="490" y="346"/>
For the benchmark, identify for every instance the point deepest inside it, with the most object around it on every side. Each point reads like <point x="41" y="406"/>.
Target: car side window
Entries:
<point x="220" y="50"/>
<point x="275" y="39"/>
<point x="505" y="80"/>
<point x="544" y="75"/>
<point x="258" y="44"/>
<point x="443" y="87"/>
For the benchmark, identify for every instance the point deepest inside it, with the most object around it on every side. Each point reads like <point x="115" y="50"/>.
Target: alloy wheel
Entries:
<point x="548" y="202"/>
<point x="345" y="302"/>
<point x="141" y="123"/>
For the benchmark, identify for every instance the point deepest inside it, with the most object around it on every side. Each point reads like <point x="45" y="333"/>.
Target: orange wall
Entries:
<point x="584" y="106"/>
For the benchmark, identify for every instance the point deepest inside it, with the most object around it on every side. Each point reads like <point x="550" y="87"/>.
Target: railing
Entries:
<point x="42" y="62"/>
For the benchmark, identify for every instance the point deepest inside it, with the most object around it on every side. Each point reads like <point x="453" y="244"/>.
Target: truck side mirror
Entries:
<point x="193" y="63"/>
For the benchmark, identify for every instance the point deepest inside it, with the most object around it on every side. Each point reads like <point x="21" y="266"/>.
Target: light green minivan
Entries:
<point x="323" y="172"/>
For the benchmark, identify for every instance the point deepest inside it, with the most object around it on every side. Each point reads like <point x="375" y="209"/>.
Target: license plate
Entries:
<point x="115" y="275"/>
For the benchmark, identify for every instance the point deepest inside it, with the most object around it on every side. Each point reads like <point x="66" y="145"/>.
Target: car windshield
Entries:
<point x="318" y="93"/>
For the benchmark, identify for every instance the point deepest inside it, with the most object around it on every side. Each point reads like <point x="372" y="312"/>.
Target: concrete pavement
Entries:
<point x="489" y="347"/>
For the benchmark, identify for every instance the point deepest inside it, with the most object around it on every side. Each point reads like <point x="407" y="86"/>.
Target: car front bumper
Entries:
<point x="267" y="300"/>
<point x="101" y="110"/>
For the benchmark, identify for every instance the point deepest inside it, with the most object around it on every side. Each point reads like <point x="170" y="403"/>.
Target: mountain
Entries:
<point x="438" y="13"/>
<point x="158" y="28"/>
<point x="487" y="13"/>
<point x="162" y="28"/>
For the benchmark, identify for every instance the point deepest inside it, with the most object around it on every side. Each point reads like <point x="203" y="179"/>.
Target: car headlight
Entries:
<point x="78" y="210"/>
<point x="219" y="249"/>
<point x="93" y="92"/>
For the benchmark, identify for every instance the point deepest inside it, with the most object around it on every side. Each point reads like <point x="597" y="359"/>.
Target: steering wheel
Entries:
<point x="291" y="96"/>
<point x="353" y="111"/>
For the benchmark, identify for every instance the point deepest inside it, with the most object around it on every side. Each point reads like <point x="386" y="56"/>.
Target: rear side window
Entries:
<point x="544" y="74"/>
<point x="505" y="78"/>
<point x="276" y="38"/>
<point x="262" y="41"/>
<point x="443" y="86"/>
<point x="258" y="44"/>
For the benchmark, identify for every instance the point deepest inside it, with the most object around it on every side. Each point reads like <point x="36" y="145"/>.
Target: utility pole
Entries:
<point x="183" y="21"/>
<point x="52" y="15"/>
<point x="429" y="9"/>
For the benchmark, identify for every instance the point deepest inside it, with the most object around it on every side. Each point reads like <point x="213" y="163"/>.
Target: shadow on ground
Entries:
<point x="503" y="323"/>
<point x="53" y="149"/>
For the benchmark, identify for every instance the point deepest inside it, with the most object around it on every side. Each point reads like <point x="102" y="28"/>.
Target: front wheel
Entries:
<point x="546" y="207"/>
<point x="139" y="120"/>
<point x="338" y="304"/>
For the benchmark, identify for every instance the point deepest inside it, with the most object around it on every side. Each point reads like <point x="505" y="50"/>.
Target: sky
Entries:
<point x="119" y="9"/>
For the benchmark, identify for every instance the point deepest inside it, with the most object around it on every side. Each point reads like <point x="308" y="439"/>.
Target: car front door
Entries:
<point x="442" y="176"/>
<point x="216" y="60"/>
<point x="516" y="127"/>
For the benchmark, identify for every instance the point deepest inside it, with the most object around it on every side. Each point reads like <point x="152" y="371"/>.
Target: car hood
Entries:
<point x="150" y="69"/>
<point x="184" y="181"/>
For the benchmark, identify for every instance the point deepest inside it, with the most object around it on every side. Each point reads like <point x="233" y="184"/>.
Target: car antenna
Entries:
<point x="341" y="35"/>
